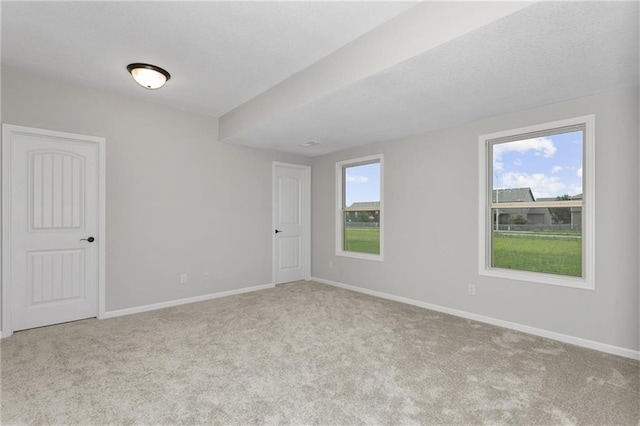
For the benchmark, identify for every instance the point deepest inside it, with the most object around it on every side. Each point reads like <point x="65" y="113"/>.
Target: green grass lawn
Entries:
<point x="562" y="256"/>
<point x="524" y="252"/>
<point x="362" y="240"/>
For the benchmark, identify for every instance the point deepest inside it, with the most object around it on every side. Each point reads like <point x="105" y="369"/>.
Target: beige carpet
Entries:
<point x="306" y="353"/>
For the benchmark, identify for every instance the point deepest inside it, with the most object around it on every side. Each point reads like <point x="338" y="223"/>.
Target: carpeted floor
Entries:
<point x="306" y="353"/>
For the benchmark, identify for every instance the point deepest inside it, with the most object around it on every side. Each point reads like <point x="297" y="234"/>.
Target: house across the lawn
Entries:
<point x="363" y="212"/>
<point x="531" y="216"/>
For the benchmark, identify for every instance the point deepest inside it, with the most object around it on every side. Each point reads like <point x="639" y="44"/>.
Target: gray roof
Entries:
<point x="512" y="195"/>
<point x="373" y="205"/>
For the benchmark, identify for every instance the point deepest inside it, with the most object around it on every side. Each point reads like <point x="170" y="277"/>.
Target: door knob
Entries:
<point x="277" y="230"/>
<point x="90" y="239"/>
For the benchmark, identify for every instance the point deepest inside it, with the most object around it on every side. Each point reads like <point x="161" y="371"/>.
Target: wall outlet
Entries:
<point x="472" y="289"/>
<point x="183" y="278"/>
<point x="330" y="265"/>
<point x="205" y="276"/>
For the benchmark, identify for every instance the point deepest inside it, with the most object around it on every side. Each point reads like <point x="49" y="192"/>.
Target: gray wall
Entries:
<point x="177" y="199"/>
<point x="431" y="226"/>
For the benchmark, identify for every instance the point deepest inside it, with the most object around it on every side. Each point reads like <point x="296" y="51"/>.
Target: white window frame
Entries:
<point x="587" y="281"/>
<point x="340" y="251"/>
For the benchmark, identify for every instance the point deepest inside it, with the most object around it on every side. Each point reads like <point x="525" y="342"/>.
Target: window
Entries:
<point x="359" y="215"/>
<point x="536" y="203"/>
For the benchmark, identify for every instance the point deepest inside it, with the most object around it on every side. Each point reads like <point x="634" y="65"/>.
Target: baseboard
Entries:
<point x="154" y="306"/>
<point x="578" y="341"/>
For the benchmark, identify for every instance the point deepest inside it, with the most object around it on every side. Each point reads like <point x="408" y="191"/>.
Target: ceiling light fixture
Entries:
<point x="148" y="76"/>
<point x="309" y="144"/>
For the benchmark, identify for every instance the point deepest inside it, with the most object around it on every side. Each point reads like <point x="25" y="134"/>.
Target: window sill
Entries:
<point x="363" y="256"/>
<point x="539" y="278"/>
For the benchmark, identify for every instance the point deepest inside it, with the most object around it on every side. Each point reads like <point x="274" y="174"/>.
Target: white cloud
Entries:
<point x="579" y="172"/>
<point x="575" y="189"/>
<point x="357" y="179"/>
<point x="542" y="146"/>
<point x="541" y="185"/>
<point x="556" y="169"/>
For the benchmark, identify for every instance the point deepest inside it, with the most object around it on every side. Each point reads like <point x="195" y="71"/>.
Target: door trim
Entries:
<point x="7" y="156"/>
<point x="306" y="217"/>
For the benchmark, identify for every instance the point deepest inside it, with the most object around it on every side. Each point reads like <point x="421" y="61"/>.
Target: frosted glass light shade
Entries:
<point x="148" y="76"/>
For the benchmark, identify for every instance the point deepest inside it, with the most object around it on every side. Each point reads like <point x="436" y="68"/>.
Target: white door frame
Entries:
<point x="7" y="157"/>
<point x="306" y="218"/>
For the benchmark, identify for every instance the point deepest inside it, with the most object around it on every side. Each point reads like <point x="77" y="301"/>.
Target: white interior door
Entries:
<point x="290" y="222"/>
<point x="53" y="213"/>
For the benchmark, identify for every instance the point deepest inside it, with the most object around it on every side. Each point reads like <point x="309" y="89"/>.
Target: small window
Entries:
<point x="359" y="215"/>
<point x="537" y="203"/>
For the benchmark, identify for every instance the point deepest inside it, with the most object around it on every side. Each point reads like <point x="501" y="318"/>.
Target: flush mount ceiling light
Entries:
<point x="148" y="76"/>
<point x="309" y="144"/>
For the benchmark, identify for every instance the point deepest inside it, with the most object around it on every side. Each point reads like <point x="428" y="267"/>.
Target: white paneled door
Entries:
<point x="290" y="222"/>
<point x="52" y="211"/>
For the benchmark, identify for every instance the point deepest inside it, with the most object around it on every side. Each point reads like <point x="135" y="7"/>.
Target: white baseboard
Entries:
<point x="578" y="341"/>
<point x="161" y="305"/>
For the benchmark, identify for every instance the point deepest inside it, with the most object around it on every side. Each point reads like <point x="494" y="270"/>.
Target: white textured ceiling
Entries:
<point x="220" y="54"/>
<point x="546" y="53"/>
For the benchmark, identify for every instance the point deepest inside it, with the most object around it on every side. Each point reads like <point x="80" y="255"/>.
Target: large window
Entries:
<point x="359" y="230"/>
<point x="537" y="203"/>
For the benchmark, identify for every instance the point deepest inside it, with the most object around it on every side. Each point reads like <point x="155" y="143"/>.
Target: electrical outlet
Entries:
<point x="183" y="278"/>
<point x="330" y="265"/>
<point x="472" y="289"/>
<point x="205" y="276"/>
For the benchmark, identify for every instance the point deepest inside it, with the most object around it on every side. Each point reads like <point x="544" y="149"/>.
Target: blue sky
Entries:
<point x="363" y="183"/>
<point x="551" y="166"/>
